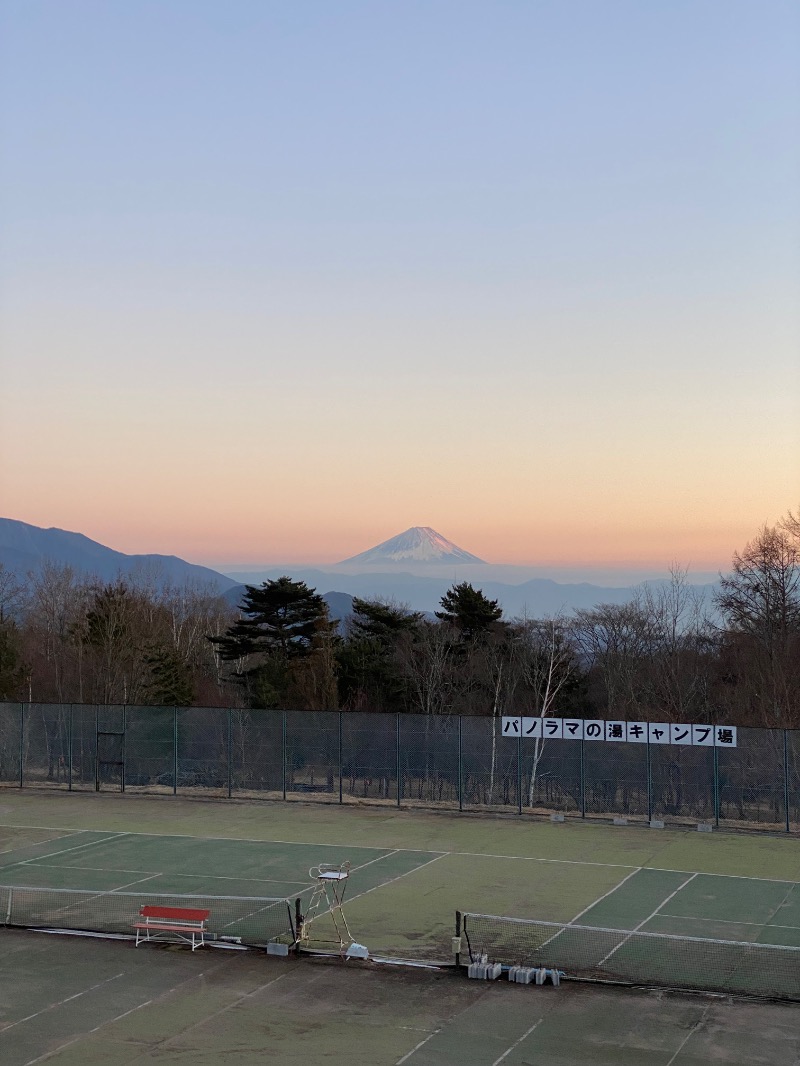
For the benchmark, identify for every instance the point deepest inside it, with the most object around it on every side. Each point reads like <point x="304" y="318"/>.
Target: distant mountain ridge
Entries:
<point x="537" y="597"/>
<point x="419" y="544"/>
<point x="419" y="584"/>
<point x="25" y="548"/>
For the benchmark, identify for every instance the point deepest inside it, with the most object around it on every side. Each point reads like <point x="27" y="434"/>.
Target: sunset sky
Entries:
<point x="279" y="280"/>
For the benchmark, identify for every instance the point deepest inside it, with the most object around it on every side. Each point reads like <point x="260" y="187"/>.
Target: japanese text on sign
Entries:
<point x="703" y="736"/>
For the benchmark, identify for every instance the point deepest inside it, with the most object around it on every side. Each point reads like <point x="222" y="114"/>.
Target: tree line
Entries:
<point x="665" y="655"/>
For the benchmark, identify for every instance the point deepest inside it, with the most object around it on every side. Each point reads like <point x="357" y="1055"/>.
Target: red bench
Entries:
<point x="174" y="924"/>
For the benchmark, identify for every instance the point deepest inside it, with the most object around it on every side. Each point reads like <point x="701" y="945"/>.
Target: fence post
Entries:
<point x="649" y="781"/>
<point x="716" y="787"/>
<point x="341" y="797"/>
<point x="22" y="742"/>
<point x="397" y="751"/>
<point x="460" y="777"/>
<point x="69" y="747"/>
<point x="96" y="748"/>
<point x="175" y="751"/>
<point x="230" y="753"/>
<point x="787" y="795"/>
<point x="283" y="748"/>
<point x="519" y="773"/>
<point x="583" y="778"/>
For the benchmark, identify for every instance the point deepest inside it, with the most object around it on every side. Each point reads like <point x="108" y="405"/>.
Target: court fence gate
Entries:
<point x="447" y="762"/>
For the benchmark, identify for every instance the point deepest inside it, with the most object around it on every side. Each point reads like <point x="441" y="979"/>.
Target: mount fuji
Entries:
<point x="420" y="544"/>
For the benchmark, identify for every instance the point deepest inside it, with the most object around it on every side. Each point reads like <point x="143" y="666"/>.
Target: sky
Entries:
<point x="279" y="280"/>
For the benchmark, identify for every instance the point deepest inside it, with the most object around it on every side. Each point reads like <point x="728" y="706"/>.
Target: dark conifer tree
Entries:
<point x="466" y="608"/>
<point x="282" y="622"/>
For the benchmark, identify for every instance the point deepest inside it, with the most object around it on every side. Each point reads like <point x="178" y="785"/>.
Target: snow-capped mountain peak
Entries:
<point x="420" y="544"/>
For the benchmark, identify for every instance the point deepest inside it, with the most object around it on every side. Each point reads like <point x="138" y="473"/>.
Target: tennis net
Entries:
<point x="635" y="957"/>
<point x="252" y="920"/>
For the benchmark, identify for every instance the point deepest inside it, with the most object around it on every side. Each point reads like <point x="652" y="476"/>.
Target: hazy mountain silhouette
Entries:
<point x="24" y="548"/>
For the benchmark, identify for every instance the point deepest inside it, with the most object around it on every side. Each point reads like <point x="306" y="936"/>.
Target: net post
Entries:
<point x="298" y="920"/>
<point x="786" y="792"/>
<point x="458" y="936"/>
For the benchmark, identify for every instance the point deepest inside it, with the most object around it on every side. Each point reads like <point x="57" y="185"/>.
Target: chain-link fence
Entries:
<point x="443" y="761"/>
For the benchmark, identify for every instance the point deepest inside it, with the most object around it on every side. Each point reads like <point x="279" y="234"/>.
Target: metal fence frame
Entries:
<point x="448" y="762"/>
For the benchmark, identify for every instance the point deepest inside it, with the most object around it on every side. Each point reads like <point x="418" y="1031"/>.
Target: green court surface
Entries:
<point x="76" y="999"/>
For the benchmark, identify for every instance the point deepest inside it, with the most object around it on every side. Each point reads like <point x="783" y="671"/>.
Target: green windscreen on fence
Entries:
<point x="440" y="760"/>
<point x="636" y="957"/>
<point x="255" y="921"/>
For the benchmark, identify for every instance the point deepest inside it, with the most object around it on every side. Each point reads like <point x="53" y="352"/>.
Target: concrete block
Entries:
<point x="656" y="823"/>
<point x="620" y="821"/>
<point x="704" y="827"/>
<point x="277" y="949"/>
<point x="556" y="817"/>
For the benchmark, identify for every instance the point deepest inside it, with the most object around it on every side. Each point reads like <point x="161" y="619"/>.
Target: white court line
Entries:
<point x="399" y="877"/>
<point x="93" y="869"/>
<point x="649" y="918"/>
<point x="605" y="895"/>
<point x="517" y="1042"/>
<point x="408" y="1054"/>
<point x="728" y="921"/>
<point x="383" y="884"/>
<point x="782" y="902"/>
<point x="427" y="851"/>
<point x="104" y="892"/>
<point x="64" y="851"/>
<point x="222" y="1010"/>
<point x="691" y="1032"/>
<point x="61" y="1002"/>
<point x="117" y="870"/>
<point x="592" y="904"/>
<point x="147" y="1003"/>
<point x="75" y="1039"/>
<point x="380" y="858"/>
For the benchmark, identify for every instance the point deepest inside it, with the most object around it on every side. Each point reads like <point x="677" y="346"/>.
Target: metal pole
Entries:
<point x="519" y="773"/>
<point x="298" y="920"/>
<point x="96" y="749"/>
<point x="397" y="750"/>
<point x="786" y="790"/>
<point x="175" y="751"/>
<point x="716" y="788"/>
<point x="22" y="743"/>
<point x="283" y="760"/>
<point x="649" y="783"/>
<point x="124" y="748"/>
<point x="230" y="753"/>
<point x="341" y="796"/>
<point x="69" y="747"/>
<point x="460" y="775"/>
<point x="458" y="938"/>
<point x="583" y="778"/>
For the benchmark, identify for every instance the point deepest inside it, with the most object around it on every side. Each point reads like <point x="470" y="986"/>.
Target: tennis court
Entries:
<point x="410" y="873"/>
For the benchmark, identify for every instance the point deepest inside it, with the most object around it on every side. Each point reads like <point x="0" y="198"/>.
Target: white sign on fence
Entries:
<point x="702" y="736"/>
